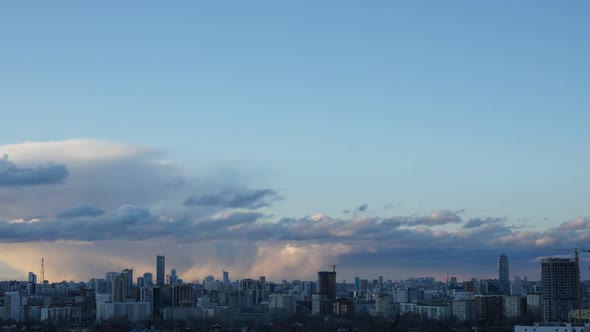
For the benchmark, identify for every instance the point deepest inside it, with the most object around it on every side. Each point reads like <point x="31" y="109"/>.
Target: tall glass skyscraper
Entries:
<point x="160" y="270"/>
<point x="503" y="274"/>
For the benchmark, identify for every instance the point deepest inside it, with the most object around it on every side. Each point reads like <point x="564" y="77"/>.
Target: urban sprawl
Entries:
<point x="165" y="302"/>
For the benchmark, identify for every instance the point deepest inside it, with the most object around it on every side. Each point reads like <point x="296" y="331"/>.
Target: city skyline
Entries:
<point x="398" y="139"/>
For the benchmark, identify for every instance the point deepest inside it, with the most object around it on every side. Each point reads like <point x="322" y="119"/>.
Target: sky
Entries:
<point x="404" y="138"/>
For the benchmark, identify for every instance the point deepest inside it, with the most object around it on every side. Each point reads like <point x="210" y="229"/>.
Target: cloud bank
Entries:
<point x="237" y="198"/>
<point x="124" y="204"/>
<point x="12" y="175"/>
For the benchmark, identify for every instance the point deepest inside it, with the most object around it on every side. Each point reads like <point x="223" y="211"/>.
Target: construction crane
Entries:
<point x="333" y="266"/>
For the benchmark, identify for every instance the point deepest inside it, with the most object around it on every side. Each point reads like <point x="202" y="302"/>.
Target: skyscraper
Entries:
<point x="327" y="284"/>
<point x="32" y="283"/>
<point x="323" y="301"/>
<point x="12" y="305"/>
<point x="182" y="295"/>
<point x="148" y="278"/>
<point x="225" y="277"/>
<point x="173" y="278"/>
<point x="503" y="274"/>
<point x="560" y="279"/>
<point x="160" y="270"/>
<point x="120" y="291"/>
<point x="128" y="273"/>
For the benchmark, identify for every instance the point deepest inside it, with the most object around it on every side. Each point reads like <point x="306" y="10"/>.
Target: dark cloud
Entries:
<point x="367" y="241"/>
<point x="12" y="175"/>
<point x="239" y="198"/>
<point x="228" y="220"/>
<point x="436" y="218"/>
<point x="478" y="222"/>
<point x="127" y="223"/>
<point x="389" y="206"/>
<point x="362" y="208"/>
<point x="132" y="223"/>
<point x="81" y="211"/>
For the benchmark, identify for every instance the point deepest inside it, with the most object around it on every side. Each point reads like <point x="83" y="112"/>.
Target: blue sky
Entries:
<point x="421" y="106"/>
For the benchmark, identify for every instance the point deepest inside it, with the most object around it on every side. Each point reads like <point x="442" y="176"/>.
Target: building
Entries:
<point x="173" y="278"/>
<point x="385" y="306"/>
<point x="148" y="279"/>
<point x="282" y="301"/>
<point x="160" y="270"/>
<point x="323" y="301"/>
<point x="70" y="314"/>
<point x="120" y="291"/>
<point x="515" y="306"/>
<point x="147" y="295"/>
<point x="489" y="308"/>
<point x="551" y="328"/>
<point x="503" y="274"/>
<point x="156" y="300"/>
<point x="343" y="307"/>
<point x="32" y="286"/>
<point x="560" y="278"/>
<point x="182" y="295"/>
<point x="534" y="304"/>
<point x="464" y="310"/>
<point x="104" y="307"/>
<point x="327" y="284"/>
<point x="426" y="311"/>
<point x="12" y="305"/>
<point x="128" y="273"/>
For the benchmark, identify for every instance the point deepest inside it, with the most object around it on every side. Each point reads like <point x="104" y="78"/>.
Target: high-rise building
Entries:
<point x="128" y="273"/>
<point x="32" y="287"/>
<point x="489" y="308"/>
<point x="120" y="291"/>
<point x="109" y="278"/>
<point x="148" y="278"/>
<point x="173" y="279"/>
<point x="516" y="286"/>
<point x="12" y="305"/>
<point x="560" y="279"/>
<point x="323" y="301"/>
<point x="503" y="274"/>
<point x="514" y="306"/>
<point x="357" y="283"/>
<point x="327" y="284"/>
<point x="156" y="300"/>
<point x="160" y="270"/>
<point x="182" y="295"/>
<point x="225" y="277"/>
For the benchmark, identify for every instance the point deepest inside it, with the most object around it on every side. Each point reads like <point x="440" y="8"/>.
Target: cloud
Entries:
<point x="237" y="198"/>
<point x="108" y="174"/>
<point x="12" y="175"/>
<point x="436" y="218"/>
<point x="355" y="242"/>
<point x="576" y="224"/>
<point x="362" y="208"/>
<point x="126" y="223"/>
<point x="75" y="151"/>
<point x="81" y="211"/>
<point x="478" y="222"/>
<point x="139" y="216"/>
